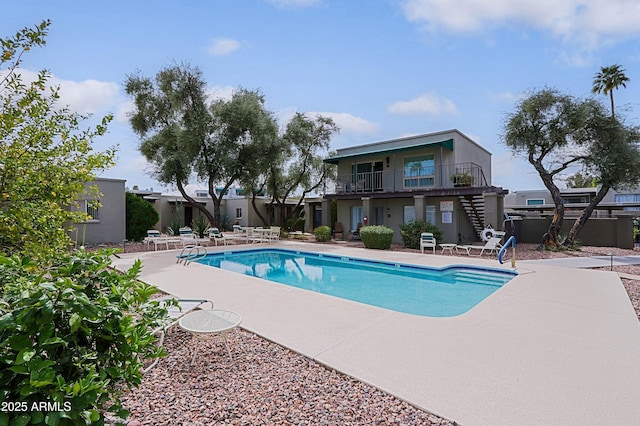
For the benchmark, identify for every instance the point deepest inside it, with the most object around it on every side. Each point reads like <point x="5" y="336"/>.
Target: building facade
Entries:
<point x="107" y="223"/>
<point x="442" y="177"/>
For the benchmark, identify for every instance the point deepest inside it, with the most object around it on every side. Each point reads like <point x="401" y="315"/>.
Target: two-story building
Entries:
<point x="442" y="177"/>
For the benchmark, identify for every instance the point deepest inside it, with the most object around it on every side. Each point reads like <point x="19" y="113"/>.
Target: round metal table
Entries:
<point x="209" y="323"/>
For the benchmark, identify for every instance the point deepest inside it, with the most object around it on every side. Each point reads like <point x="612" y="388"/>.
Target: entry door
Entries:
<point x="188" y="215"/>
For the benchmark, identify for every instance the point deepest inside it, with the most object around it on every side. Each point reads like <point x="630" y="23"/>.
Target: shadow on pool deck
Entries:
<point x="553" y="346"/>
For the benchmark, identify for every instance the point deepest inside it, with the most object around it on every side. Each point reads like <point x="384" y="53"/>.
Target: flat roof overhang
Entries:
<point x="446" y="144"/>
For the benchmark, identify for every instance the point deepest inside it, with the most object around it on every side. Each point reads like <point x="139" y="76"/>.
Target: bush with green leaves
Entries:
<point x="47" y="155"/>
<point x="322" y="234"/>
<point x="200" y="225"/>
<point x="411" y="231"/>
<point x="376" y="237"/>
<point x="226" y="223"/>
<point x="76" y="333"/>
<point x="140" y="217"/>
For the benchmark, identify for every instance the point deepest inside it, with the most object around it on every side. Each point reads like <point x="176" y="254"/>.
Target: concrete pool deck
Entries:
<point x="553" y="346"/>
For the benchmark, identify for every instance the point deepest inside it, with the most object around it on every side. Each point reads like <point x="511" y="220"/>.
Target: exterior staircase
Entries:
<point x="474" y="207"/>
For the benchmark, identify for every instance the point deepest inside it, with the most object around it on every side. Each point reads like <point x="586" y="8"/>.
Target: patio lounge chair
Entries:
<point x="216" y="236"/>
<point x="154" y="236"/>
<point x="174" y="314"/>
<point x="491" y="246"/>
<point x="427" y="240"/>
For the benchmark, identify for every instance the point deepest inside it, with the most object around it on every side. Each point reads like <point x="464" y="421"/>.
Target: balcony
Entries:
<point x="441" y="177"/>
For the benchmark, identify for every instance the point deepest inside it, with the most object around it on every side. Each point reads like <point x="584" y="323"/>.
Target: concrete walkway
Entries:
<point x="553" y="346"/>
<point x="587" y="262"/>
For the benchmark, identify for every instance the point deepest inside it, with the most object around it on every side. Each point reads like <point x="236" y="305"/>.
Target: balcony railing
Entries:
<point x="445" y="176"/>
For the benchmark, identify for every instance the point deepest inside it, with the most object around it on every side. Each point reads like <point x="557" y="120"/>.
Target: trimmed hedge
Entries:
<point x="376" y="237"/>
<point x="411" y="233"/>
<point x="322" y="234"/>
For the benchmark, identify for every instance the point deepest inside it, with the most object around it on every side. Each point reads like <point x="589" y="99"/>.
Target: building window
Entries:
<point x="535" y="202"/>
<point x="409" y="214"/>
<point x="419" y="171"/>
<point x="575" y="200"/>
<point x="91" y="208"/>
<point x="430" y="214"/>
<point x="238" y="213"/>
<point x="627" y="198"/>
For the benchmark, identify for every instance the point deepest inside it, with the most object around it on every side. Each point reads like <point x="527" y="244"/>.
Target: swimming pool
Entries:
<point x="418" y="290"/>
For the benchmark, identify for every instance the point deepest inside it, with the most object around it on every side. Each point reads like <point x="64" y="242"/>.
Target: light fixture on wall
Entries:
<point x="387" y="161"/>
<point x="388" y="212"/>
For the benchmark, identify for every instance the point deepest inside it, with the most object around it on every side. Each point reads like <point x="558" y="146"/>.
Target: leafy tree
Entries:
<point x="140" y="217"/>
<point x="555" y="131"/>
<point x="184" y="135"/>
<point x="173" y="121"/>
<point x="613" y="156"/>
<point x="305" y="139"/>
<point x="242" y="145"/>
<point x="45" y="159"/>
<point x="548" y="128"/>
<point x="608" y="79"/>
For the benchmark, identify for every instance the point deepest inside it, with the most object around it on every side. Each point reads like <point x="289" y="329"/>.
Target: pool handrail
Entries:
<point x="511" y="241"/>
<point x="200" y="252"/>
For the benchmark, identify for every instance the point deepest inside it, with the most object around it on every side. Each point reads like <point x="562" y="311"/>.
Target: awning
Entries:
<point x="448" y="144"/>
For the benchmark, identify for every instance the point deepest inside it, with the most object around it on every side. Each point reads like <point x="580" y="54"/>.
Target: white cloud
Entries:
<point x="223" y="46"/>
<point x="350" y="123"/>
<point x="88" y="96"/>
<point x="587" y="21"/>
<point x="84" y="97"/>
<point x="427" y="104"/>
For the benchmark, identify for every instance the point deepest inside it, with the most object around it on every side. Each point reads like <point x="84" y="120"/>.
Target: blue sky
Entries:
<point x="381" y="68"/>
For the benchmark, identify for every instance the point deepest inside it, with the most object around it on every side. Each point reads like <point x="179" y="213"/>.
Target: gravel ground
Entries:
<point x="270" y="385"/>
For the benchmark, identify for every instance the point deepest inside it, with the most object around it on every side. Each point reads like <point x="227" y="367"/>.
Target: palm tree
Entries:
<point x="607" y="79"/>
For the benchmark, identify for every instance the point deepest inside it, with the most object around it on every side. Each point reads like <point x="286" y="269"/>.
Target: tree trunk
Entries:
<point x="584" y="216"/>
<point x="255" y="208"/>
<point x="193" y="203"/>
<point x="551" y="238"/>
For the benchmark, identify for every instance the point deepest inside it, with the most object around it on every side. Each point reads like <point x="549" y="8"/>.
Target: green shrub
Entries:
<point x="140" y="217"/>
<point x="76" y="334"/>
<point x="411" y="231"/>
<point x="322" y="234"/>
<point x="376" y="237"/>
<point x="226" y="223"/>
<point x="200" y="226"/>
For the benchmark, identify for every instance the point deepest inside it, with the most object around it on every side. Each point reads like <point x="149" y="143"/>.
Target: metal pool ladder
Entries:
<point x="195" y="252"/>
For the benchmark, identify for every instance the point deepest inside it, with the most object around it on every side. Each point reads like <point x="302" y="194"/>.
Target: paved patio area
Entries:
<point x="553" y="346"/>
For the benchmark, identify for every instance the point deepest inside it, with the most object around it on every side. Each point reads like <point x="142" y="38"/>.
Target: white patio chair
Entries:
<point x="275" y="233"/>
<point x="217" y="237"/>
<point x="491" y="246"/>
<point x="427" y="240"/>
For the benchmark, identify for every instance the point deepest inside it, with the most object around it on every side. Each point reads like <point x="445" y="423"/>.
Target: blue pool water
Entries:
<point x="411" y="289"/>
